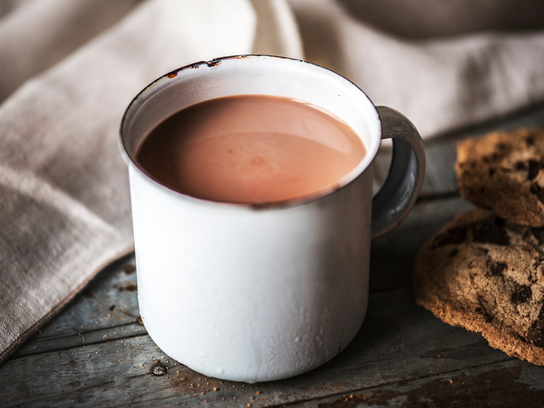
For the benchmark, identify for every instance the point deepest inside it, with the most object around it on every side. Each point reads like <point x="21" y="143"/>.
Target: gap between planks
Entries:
<point x="387" y="393"/>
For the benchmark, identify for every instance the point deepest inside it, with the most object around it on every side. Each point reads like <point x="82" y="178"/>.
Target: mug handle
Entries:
<point x="399" y="192"/>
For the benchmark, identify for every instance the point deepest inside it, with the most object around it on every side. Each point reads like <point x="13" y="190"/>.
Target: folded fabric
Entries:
<point x="7" y="6"/>
<point x="36" y="34"/>
<point x="439" y="83"/>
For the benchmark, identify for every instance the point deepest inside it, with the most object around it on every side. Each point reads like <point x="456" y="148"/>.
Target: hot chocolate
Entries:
<point x="250" y="149"/>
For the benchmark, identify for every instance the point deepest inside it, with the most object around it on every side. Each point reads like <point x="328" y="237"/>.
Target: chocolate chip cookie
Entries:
<point x="504" y="172"/>
<point x="487" y="275"/>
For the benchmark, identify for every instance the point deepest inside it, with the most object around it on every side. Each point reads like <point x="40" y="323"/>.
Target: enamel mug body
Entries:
<point x="258" y="293"/>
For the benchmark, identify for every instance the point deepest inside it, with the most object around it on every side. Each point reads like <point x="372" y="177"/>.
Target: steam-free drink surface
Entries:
<point x="251" y="149"/>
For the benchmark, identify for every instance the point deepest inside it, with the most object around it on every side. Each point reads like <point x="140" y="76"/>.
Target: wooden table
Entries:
<point x="96" y="352"/>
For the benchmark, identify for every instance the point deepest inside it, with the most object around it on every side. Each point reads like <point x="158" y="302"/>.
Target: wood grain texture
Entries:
<point x="108" y="304"/>
<point x="504" y="384"/>
<point x="393" y="254"/>
<point x="392" y="346"/>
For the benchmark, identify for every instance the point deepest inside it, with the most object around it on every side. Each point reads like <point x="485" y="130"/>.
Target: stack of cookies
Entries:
<point x="484" y="271"/>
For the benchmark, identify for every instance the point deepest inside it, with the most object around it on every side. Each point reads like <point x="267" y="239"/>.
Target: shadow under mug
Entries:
<point x="259" y="293"/>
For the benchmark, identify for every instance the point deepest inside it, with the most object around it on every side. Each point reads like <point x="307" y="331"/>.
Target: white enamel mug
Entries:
<point x="259" y="293"/>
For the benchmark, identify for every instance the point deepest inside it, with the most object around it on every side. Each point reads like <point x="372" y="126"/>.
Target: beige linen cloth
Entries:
<point x="69" y="68"/>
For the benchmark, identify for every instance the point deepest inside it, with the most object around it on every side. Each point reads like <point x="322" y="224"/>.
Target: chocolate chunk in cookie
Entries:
<point x="504" y="172"/>
<point x="495" y="268"/>
<point x="521" y="295"/>
<point x="487" y="275"/>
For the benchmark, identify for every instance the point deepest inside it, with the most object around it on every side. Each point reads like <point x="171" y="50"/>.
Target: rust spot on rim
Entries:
<point x="192" y="66"/>
<point x="129" y="269"/>
<point x="213" y="63"/>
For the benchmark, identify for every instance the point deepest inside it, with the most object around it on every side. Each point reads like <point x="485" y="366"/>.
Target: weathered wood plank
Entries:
<point x="441" y="151"/>
<point x="108" y="305"/>
<point x="42" y="345"/>
<point x="398" y="342"/>
<point x="393" y="255"/>
<point x="505" y="384"/>
<point x="440" y="177"/>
